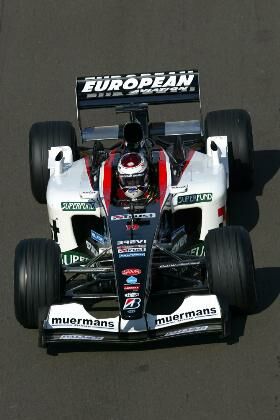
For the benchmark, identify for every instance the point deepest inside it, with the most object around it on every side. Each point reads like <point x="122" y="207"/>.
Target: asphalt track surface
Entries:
<point x="44" y="45"/>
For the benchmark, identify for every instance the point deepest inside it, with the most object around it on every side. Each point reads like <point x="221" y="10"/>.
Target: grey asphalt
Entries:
<point x="44" y="45"/>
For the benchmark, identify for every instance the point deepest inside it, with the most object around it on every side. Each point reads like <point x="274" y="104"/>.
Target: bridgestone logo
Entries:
<point x="78" y="322"/>
<point x="143" y="84"/>
<point x="77" y="206"/>
<point x="186" y="316"/>
<point x="195" y="198"/>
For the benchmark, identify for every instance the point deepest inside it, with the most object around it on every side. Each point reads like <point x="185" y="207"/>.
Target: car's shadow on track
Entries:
<point x="243" y="210"/>
<point x="268" y="289"/>
<point x="243" y="207"/>
<point x="268" y="286"/>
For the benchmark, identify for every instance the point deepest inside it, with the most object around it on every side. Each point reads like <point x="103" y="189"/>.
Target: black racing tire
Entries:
<point x="43" y="136"/>
<point x="38" y="279"/>
<point x="236" y="125"/>
<point x="230" y="267"/>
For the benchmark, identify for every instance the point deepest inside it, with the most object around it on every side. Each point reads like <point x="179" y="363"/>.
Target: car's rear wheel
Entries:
<point x="38" y="279"/>
<point x="43" y="136"/>
<point x="236" y="125"/>
<point x="230" y="267"/>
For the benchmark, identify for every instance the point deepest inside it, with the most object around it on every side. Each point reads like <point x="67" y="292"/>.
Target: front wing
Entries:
<point x="70" y="322"/>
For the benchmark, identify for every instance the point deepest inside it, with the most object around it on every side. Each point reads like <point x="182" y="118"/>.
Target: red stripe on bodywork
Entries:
<point x="221" y="212"/>
<point x="107" y="180"/>
<point x="162" y="177"/>
<point x="88" y="168"/>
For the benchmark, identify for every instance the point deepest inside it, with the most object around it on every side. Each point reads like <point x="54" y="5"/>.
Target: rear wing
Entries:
<point x="126" y="92"/>
<point x="151" y="88"/>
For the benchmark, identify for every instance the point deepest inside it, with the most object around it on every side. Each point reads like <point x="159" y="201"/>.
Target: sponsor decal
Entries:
<point x="122" y="249"/>
<point x="131" y="271"/>
<point x="188" y="330"/>
<point x="87" y="194"/>
<point x="177" y="232"/>
<point x="143" y="84"/>
<point x="179" y="239"/>
<point x="97" y="237"/>
<point x="198" y="251"/>
<point x="134" y="287"/>
<point x="131" y="303"/>
<point x="132" y="189"/>
<point x="77" y="206"/>
<point x="133" y="226"/>
<point x="132" y="242"/>
<point x="132" y="295"/>
<point x="134" y="254"/>
<point x="78" y="322"/>
<point x="81" y="337"/>
<point x="91" y="248"/>
<point x="181" y="242"/>
<point x="179" y="187"/>
<point x="133" y="216"/>
<point x="131" y="280"/>
<point x="186" y="316"/>
<point x="69" y="257"/>
<point x="195" y="198"/>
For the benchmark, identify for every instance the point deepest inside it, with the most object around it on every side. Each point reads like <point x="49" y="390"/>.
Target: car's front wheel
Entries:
<point x="230" y="267"/>
<point x="38" y="279"/>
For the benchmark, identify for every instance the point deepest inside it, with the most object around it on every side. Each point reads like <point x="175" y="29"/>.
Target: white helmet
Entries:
<point x="133" y="174"/>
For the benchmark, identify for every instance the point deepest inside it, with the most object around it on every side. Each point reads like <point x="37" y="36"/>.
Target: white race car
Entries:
<point x="139" y="224"/>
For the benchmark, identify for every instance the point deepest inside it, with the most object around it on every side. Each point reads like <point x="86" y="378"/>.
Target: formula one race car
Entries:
<point x="140" y="248"/>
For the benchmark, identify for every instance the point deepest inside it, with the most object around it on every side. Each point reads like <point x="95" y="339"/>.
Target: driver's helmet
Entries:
<point x="133" y="175"/>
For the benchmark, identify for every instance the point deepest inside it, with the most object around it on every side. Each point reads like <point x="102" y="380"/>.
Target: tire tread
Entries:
<point x="38" y="278"/>
<point x="230" y="266"/>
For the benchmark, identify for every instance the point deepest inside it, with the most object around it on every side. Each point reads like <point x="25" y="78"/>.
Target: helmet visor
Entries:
<point x="132" y="181"/>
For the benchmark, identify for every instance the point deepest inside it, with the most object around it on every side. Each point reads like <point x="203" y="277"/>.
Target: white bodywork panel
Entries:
<point x="70" y="192"/>
<point x="72" y="185"/>
<point x="57" y="167"/>
<point x="204" y="175"/>
<point x="194" y="308"/>
<point x="221" y="142"/>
